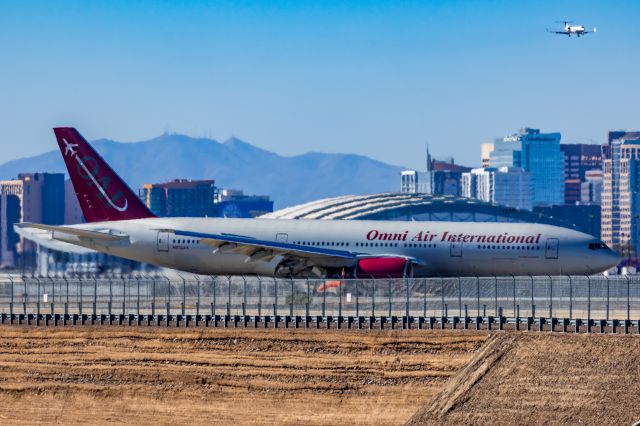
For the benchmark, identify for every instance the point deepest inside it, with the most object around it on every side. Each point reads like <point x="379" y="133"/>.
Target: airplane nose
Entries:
<point x="613" y="259"/>
<point x="604" y="260"/>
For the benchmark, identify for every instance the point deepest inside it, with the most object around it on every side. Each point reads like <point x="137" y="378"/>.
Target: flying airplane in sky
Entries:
<point x="118" y="223"/>
<point x="577" y="30"/>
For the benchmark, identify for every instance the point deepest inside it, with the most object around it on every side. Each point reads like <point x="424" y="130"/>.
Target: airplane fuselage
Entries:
<point x="438" y="248"/>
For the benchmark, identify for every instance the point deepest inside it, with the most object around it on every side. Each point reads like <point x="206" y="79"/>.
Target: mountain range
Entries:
<point x="233" y="164"/>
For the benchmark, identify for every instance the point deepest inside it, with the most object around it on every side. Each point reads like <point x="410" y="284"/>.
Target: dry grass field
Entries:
<point x="543" y="378"/>
<point x="178" y="376"/>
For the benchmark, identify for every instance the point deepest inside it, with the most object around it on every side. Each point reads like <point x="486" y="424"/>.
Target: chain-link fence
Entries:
<point x="596" y="297"/>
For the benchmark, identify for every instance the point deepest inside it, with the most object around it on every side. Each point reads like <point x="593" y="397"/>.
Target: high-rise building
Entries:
<point x="181" y="198"/>
<point x="578" y="159"/>
<point x="446" y="177"/>
<point x="540" y="155"/>
<point x="9" y="214"/>
<point x="506" y="152"/>
<point x="485" y="153"/>
<point x="509" y="186"/>
<point x="33" y="197"/>
<point x="621" y="192"/>
<point x="443" y="177"/>
<point x="591" y="188"/>
<point x="42" y="198"/>
<point x="234" y="203"/>
<point x="542" y="158"/>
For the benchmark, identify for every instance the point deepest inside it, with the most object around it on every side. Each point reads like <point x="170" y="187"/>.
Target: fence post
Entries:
<point x="608" y="299"/>
<point x="244" y="297"/>
<point x="198" y="301"/>
<point x="570" y="297"/>
<point x="66" y="303"/>
<point x="168" y="299"/>
<point x="12" y="300"/>
<point x="275" y="306"/>
<point x="550" y="296"/>
<point x="514" y="295"/>
<point x="183" y="309"/>
<point x="229" y="296"/>
<point x="407" y="304"/>
<point x="442" y="297"/>
<point x="124" y="296"/>
<point x="358" y="299"/>
<point x="589" y="302"/>
<point x="390" y="302"/>
<point x="138" y="299"/>
<point x="260" y="297"/>
<point x="424" y="307"/>
<point x="324" y="299"/>
<point x="213" y="305"/>
<point x="153" y="297"/>
<point x="533" y="303"/>
<point x="308" y="299"/>
<point x="291" y="305"/>
<point x="459" y="298"/>
<point x="25" y="299"/>
<point x="495" y="291"/>
<point x="110" y="295"/>
<point x="373" y="298"/>
<point x="95" y="294"/>
<point x="39" y="298"/>
<point x="53" y="295"/>
<point x="628" y="298"/>
<point x="478" y="294"/>
<point x="81" y="299"/>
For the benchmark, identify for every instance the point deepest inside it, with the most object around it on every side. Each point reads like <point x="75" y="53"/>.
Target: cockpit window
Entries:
<point x="598" y="245"/>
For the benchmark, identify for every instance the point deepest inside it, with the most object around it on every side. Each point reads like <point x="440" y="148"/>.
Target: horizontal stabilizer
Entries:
<point x="95" y="235"/>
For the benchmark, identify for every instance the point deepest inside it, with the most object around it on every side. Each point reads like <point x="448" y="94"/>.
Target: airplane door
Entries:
<point x="552" y="248"/>
<point x="456" y="250"/>
<point x="282" y="237"/>
<point x="163" y="241"/>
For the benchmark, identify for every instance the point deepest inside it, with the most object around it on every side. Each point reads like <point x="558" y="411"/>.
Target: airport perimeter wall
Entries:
<point x="525" y="300"/>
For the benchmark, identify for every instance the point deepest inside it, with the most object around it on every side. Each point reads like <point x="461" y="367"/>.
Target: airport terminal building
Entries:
<point x="417" y="207"/>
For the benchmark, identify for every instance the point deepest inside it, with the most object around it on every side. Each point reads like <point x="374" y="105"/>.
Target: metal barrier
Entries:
<point x="460" y="302"/>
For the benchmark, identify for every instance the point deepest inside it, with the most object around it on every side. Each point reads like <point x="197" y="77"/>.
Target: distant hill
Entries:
<point x="233" y="164"/>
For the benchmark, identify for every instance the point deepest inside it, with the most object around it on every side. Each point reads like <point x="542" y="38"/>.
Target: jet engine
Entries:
<point x="383" y="267"/>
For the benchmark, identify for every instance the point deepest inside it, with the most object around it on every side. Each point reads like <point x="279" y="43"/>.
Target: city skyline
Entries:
<point x="300" y="77"/>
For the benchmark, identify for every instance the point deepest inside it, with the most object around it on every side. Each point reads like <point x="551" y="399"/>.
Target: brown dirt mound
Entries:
<point x="177" y="376"/>
<point x="542" y="379"/>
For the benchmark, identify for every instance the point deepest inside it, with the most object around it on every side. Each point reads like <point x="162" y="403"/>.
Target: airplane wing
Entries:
<point x="105" y="235"/>
<point x="251" y="246"/>
<point x="294" y="258"/>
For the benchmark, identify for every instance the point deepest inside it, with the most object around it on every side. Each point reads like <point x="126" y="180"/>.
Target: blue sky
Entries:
<point x="380" y="78"/>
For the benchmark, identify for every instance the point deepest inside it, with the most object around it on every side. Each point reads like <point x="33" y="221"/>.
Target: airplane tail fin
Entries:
<point x="102" y="194"/>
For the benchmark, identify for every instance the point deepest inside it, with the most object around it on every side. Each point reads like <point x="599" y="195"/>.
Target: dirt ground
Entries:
<point x="177" y="376"/>
<point x="539" y="378"/>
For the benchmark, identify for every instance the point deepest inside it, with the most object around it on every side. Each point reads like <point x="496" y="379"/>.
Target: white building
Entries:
<point x="414" y="182"/>
<point x="508" y="186"/>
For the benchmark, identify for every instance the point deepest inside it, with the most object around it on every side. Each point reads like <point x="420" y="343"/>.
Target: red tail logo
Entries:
<point x="102" y="194"/>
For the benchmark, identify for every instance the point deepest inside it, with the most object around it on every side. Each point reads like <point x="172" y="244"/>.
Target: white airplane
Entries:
<point x="121" y="225"/>
<point x="577" y="30"/>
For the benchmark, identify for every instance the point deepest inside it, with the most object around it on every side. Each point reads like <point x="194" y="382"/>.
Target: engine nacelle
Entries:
<point x="383" y="267"/>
